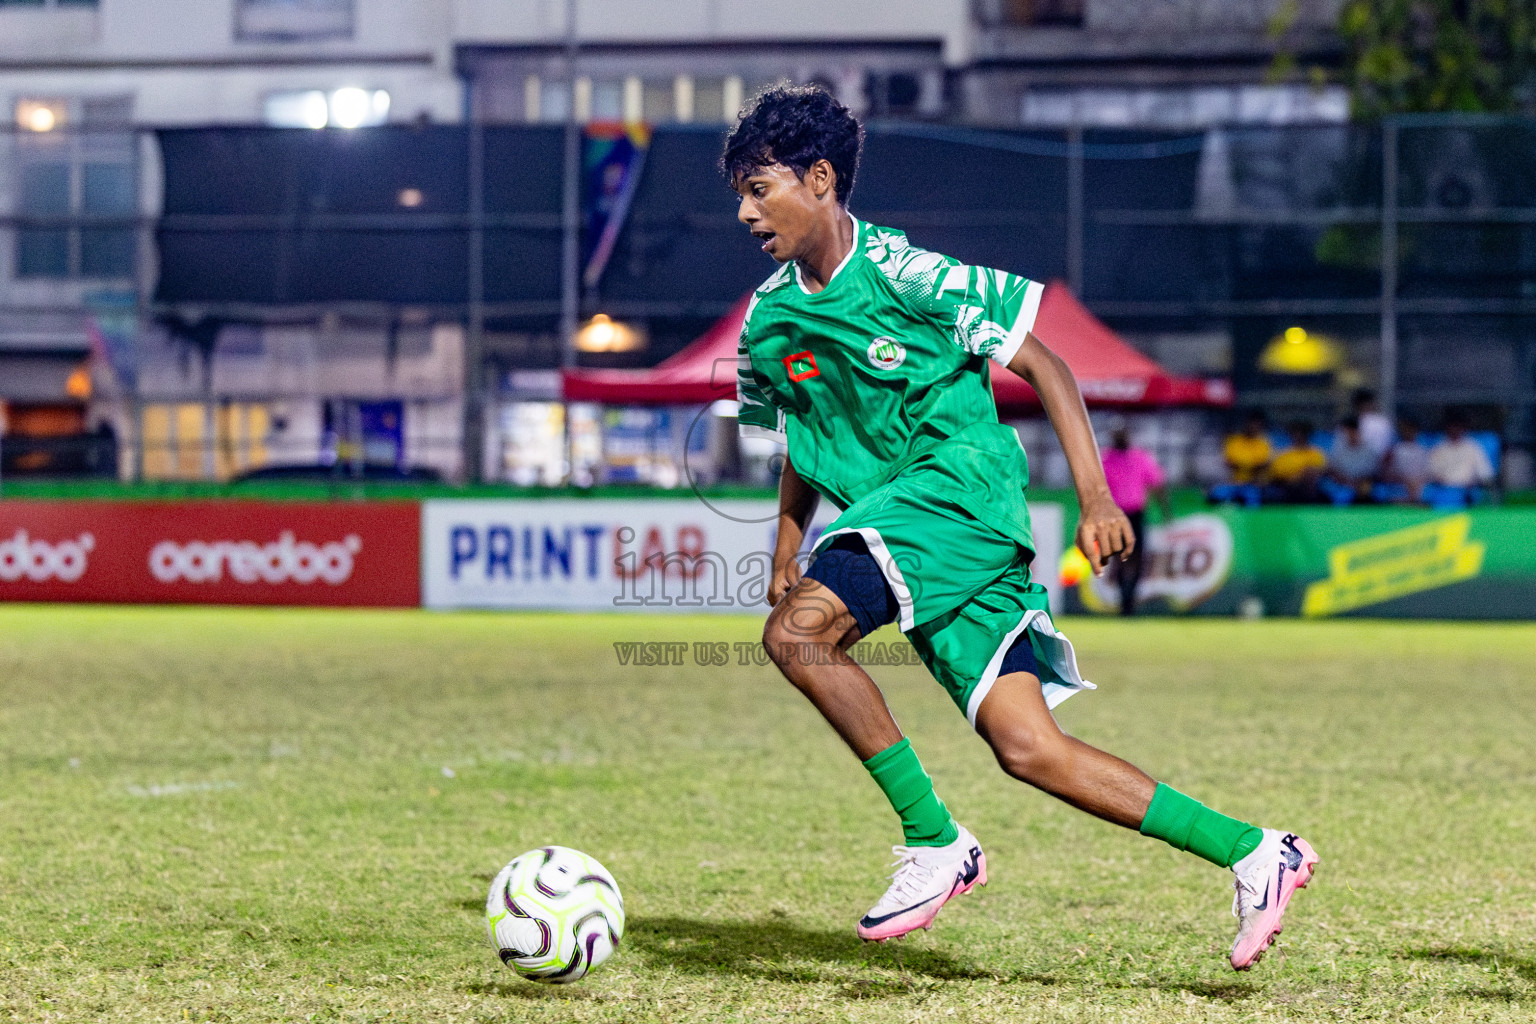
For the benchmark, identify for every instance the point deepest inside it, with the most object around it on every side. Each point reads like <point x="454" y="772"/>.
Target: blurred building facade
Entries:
<point x="254" y="292"/>
<point x="1004" y="62"/>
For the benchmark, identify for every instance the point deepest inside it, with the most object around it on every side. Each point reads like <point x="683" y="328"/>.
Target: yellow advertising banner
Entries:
<point x="1391" y="565"/>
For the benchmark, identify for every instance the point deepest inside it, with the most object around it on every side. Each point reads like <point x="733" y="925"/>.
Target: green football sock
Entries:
<point x="1187" y="824"/>
<point x="924" y="819"/>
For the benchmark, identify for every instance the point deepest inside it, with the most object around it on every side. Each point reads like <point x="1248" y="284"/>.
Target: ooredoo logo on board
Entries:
<point x="23" y="557"/>
<point x="282" y="561"/>
<point x="212" y="552"/>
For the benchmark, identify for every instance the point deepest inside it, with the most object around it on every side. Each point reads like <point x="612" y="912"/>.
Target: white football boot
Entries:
<point x="926" y="878"/>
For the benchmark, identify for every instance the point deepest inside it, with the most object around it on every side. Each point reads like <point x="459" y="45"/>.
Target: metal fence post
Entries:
<point x="1389" y="214"/>
<point x="1075" y="207"/>
<point x="145" y="269"/>
<point x="210" y="417"/>
<point x="570" y="222"/>
<point x="473" y="429"/>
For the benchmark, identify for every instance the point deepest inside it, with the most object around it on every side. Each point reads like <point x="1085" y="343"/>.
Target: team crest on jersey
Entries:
<point x="886" y="353"/>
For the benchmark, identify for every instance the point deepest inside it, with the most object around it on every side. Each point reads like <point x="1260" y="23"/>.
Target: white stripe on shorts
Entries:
<point x="1061" y="660"/>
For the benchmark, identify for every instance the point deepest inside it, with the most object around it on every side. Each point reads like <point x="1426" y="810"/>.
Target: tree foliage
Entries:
<point x="1439" y="55"/>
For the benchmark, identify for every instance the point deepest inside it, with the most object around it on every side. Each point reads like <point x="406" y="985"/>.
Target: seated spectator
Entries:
<point x="1458" y="461"/>
<point x="1375" y="428"/>
<point x="1247" y="452"/>
<point x="1407" y="464"/>
<point x="1295" y="472"/>
<point x="1353" y="464"/>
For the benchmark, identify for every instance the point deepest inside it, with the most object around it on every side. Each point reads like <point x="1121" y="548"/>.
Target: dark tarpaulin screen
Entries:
<point x="276" y="216"/>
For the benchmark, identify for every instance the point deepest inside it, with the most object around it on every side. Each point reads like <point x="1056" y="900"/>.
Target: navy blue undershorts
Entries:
<point x="846" y="568"/>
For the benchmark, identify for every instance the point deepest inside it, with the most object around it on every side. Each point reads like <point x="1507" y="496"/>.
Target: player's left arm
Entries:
<point x="1103" y="531"/>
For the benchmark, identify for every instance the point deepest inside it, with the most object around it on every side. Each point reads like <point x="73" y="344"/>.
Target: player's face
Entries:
<point x="780" y="210"/>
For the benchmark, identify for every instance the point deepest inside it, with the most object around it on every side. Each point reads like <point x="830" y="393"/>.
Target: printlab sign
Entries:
<point x="650" y="555"/>
<point x="680" y="555"/>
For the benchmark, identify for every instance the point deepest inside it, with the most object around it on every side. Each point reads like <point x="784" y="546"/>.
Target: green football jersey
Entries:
<point x="882" y="374"/>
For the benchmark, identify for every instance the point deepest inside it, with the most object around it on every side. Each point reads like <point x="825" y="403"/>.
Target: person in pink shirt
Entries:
<point x="1133" y="475"/>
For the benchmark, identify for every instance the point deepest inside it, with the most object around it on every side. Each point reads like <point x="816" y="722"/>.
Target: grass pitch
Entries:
<point x="226" y="815"/>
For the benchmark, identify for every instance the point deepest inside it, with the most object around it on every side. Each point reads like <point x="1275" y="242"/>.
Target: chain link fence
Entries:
<point x="316" y="274"/>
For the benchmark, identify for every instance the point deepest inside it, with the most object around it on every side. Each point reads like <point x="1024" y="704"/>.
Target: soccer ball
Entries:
<point x="554" y="914"/>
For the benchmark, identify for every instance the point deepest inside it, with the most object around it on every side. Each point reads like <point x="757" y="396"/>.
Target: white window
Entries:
<point x="291" y="20"/>
<point x="348" y="107"/>
<point x="709" y="99"/>
<point x="658" y="101"/>
<point x="608" y="100"/>
<point x="554" y="102"/>
<point x="652" y="100"/>
<point x="76" y="191"/>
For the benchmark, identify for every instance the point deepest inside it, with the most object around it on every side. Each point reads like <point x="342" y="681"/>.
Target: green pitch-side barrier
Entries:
<point x="1323" y="562"/>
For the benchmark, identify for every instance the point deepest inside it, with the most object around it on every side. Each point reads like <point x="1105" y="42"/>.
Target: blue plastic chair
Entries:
<point x="1444" y="497"/>
<point x="1236" y="494"/>
<point x="1337" y="493"/>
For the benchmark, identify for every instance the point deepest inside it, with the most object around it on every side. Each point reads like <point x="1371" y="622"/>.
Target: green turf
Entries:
<point x="245" y="816"/>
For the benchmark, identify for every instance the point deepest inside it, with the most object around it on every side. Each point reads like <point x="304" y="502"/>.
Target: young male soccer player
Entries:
<point x="868" y="353"/>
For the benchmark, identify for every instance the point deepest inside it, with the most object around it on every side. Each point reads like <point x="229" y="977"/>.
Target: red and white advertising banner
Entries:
<point x="211" y="552"/>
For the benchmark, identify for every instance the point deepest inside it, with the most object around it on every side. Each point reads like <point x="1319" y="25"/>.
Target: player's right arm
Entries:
<point x="991" y="313"/>
<point x="797" y="504"/>
<point x="1103" y="531"/>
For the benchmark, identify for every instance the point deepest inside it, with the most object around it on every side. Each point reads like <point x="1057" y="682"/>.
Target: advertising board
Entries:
<point x="211" y="552"/>
<point x="652" y="555"/>
<point x="1326" y="562"/>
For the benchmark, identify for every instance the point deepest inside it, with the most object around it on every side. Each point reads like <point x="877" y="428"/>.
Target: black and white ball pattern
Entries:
<point x="554" y="914"/>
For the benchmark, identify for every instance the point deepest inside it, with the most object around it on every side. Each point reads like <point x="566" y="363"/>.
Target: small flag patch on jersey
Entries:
<point x="801" y="365"/>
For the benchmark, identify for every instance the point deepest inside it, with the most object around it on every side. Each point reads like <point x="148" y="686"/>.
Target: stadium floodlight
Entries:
<point x="313" y="112"/>
<point x="304" y="108"/>
<point x="347" y="107"/>
<point x="352" y="107"/>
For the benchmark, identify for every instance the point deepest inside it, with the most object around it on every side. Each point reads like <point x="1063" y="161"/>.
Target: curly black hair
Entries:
<point x="795" y="125"/>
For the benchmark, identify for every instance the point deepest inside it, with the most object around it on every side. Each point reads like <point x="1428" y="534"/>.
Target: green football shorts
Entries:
<point x="963" y="593"/>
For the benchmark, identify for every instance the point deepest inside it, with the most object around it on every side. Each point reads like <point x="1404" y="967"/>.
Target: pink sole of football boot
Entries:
<point x="1273" y="924"/>
<point x="920" y="917"/>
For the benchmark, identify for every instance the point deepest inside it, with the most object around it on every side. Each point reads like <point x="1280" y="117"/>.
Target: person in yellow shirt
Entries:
<point x="1294" y="473"/>
<point x="1247" y="452"/>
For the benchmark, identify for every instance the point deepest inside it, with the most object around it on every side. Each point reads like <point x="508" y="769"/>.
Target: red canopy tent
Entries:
<point x="1111" y="373"/>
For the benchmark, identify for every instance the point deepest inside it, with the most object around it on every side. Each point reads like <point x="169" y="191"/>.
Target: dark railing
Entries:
<point x="79" y="455"/>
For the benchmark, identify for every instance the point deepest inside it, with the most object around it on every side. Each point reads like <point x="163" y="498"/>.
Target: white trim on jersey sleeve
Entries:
<point x="1028" y="311"/>
<point x="748" y="430"/>
<point x="745" y="386"/>
<point x="777" y="434"/>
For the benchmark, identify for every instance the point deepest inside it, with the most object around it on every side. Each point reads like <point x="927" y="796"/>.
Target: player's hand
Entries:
<point x="1103" y="531"/>
<point x="785" y="576"/>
